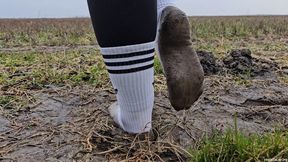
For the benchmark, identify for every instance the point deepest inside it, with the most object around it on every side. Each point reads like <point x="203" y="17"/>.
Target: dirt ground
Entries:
<point x="72" y="123"/>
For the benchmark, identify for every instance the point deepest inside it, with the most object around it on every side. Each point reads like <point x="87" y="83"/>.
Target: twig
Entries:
<point x="109" y="151"/>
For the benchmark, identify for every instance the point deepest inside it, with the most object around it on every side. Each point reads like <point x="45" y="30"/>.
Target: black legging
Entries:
<point x="123" y="22"/>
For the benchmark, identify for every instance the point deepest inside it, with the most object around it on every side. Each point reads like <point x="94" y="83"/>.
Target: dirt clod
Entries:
<point x="240" y="61"/>
<point x="208" y="62"/>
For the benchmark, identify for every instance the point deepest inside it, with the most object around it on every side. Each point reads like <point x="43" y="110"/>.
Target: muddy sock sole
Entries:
<point x="180" y="62"/>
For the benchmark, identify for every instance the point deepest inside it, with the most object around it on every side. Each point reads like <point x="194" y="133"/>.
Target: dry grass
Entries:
<point x="47" y="32"/>
<point x="26" y="67"/>
<point x="239" y="27"/>
<point x="78" y="31"/>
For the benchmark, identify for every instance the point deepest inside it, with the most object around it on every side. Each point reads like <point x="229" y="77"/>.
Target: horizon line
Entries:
<point x="84" y="17"/>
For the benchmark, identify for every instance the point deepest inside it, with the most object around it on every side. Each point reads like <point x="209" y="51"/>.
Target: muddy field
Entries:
<point x="72" y="123"/>
<point x="61" y="114"/>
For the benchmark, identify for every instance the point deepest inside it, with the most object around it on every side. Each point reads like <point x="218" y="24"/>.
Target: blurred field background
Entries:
<point x="73" y="57"/>
<point x="39" y="53"/>
<point x="78" y="31"/>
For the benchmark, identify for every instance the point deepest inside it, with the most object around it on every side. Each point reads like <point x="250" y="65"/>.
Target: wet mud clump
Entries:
<point x="208" y="62"/>
<point x="240" y="61"/>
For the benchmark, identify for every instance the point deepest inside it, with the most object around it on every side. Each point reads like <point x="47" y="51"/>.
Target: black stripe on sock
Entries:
<point x="133" y="70"/>
<point x="129" y="54"/>
<point x="129" y="62"/>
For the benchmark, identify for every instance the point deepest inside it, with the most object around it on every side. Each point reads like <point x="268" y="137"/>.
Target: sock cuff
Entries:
<point x="129" y="59"/>
<point x="106" y="51"/>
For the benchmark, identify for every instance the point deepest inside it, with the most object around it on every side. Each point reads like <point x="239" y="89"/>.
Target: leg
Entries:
<point x="126" y="32"/>
<point x="180" y="62"/>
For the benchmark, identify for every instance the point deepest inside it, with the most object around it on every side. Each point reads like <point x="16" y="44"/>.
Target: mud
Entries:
<point x="208" y="62"/>
<point x="240" y="61"/>
<point x="72" y="123"/>
<point x="66" y="124"/>
<point x="285" y="70"/>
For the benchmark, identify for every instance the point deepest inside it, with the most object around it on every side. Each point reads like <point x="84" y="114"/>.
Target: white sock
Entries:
<point x="131" y="72"/>
<point x="162" y="4"/>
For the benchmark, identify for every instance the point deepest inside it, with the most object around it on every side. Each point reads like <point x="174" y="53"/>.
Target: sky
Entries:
<point x="78" y="8"/>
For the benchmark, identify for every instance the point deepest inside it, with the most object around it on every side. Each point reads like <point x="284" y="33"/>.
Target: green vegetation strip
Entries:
<point x="233" y="146"/>
<point x="72" y="67"/>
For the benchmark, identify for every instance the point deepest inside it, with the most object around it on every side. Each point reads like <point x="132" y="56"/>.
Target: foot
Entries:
<point x="114" y="111"/>
<point x="134" y="124"/>
<point x="180" y="62"/>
